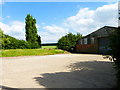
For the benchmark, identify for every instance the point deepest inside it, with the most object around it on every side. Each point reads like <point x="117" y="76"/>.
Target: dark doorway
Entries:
<point x="103" y="45"/>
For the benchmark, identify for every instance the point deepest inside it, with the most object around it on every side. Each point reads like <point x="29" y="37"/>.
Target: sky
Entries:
<point x="56" y="19"/>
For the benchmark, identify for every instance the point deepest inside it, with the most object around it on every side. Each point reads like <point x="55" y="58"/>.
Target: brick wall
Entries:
<point x="87" y="48"/>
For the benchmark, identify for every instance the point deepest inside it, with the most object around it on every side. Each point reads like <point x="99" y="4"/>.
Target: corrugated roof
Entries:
<point x="102" y="32"/>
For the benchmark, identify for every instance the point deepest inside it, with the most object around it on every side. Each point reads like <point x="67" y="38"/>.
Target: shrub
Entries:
<point x="68" y="42"/>
<point x="8" y="42"/>
<point x="115" y="52"/>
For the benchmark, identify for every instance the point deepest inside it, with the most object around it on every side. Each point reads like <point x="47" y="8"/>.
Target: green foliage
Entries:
<point x="31" y="32"/>
<point x="23" y="44"/>
<point x="68" y="41"/>
<point x="114" y="45"/>
<point x="115" y="51"/>
<point x="8" y="42"/>
<point x="32" y="38"/>
<point x="50" y="47"/>
<point x="34" y="45"/>
<point x="30" y="52"/>
<point x="1" y="35"/>
<point x="39" y="40"/>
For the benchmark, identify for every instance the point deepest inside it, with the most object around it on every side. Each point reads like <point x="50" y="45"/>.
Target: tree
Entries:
<point x="1" y="35"/>
<point x="114" y="45"/>
<point x="8" y="42"/>
<point x="31" y="32"/>
<point x="68" y="42"/>
<point x="115" y="52"/>
<point x="39" y="40"/>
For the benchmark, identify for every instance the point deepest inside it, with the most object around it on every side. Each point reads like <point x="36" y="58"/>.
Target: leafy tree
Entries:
<point x="8" y="42"/>
<point x="39" y="40"/>
<point x="32" y="38"/>
<point x="114" y="45"/>
<point x="68" y="42"/>
<point x="23" y="44"/>
<point x="31" y="32"/>
<point x="115" y="52"/>
<point x="1" y="35"/>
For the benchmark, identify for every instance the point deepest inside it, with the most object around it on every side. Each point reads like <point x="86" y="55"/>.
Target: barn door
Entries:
<point x="103" y="45"/>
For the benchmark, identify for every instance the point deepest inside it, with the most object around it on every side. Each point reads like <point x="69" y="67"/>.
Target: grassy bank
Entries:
<point x="49" y="47"/>
<point x="30" y="52"/>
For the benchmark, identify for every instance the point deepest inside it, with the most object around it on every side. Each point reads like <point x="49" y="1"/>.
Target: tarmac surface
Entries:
<point x="57" y="71"/>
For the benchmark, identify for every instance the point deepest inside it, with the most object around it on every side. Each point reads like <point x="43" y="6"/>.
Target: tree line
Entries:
<point x="33" y="40"/>
<point x="115" y="53"/>
<point x="68" y="42"/>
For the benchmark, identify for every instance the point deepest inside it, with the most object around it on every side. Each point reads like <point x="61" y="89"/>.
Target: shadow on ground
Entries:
<point x="8" y="88"/>
<point x="90" y="74"/>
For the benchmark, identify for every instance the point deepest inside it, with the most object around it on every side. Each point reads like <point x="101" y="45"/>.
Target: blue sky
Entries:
<point x="55" y="19"/>
<point x="49" y="13"/>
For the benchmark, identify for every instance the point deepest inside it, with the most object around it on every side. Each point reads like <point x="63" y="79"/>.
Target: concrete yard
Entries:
<point x="58" y="71"/>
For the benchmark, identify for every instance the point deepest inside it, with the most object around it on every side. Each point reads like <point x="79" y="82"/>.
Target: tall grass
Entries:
<point x="49" y="47"/>
<point x="30" y="52"/>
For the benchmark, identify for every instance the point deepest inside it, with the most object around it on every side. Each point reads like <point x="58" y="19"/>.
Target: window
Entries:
<point x="85" y="40"/>
<point x="92" y="40"/>
<point x="81" y="41"/>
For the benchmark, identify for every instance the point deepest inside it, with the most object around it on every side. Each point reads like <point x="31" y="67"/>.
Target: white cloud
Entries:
<point x="50" y="38"/>
<point x="15" y="29"/>
<point x="8" y="16"/>
<point x="37" y="26"/>
<point x="1" y="2"/>
<point x="86" y="20"/>
<point x="47" y="37"/>
<point x="55" y="29"/>
<point x="52" y="33"/>
<point x="42" y="23"/>
<point x="1" y="18"/>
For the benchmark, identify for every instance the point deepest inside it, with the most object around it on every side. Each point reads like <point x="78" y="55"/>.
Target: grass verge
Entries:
<point x="30" y="52"/>
<point x="49" y="47"/>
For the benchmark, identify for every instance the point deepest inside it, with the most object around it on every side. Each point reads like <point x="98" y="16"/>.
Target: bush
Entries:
<point x="68" y="42"/>
<point x="34" y="45"/>
<point x="8" y="42"/>
<point x="23" y="44"/>
<point x="115" y="52"/>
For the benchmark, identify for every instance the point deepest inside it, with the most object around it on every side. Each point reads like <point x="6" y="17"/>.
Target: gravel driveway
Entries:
<point x="58" y="71"/>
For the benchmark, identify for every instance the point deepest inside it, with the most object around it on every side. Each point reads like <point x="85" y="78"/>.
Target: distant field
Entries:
<point x="49" y="46"/>
<point x="30" y="52"/>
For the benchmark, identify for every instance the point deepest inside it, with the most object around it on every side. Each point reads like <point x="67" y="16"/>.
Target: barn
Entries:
<point x="95" y="42"/>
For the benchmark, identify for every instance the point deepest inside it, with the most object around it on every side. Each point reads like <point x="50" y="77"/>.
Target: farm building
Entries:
<point x="96" y="42"/>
